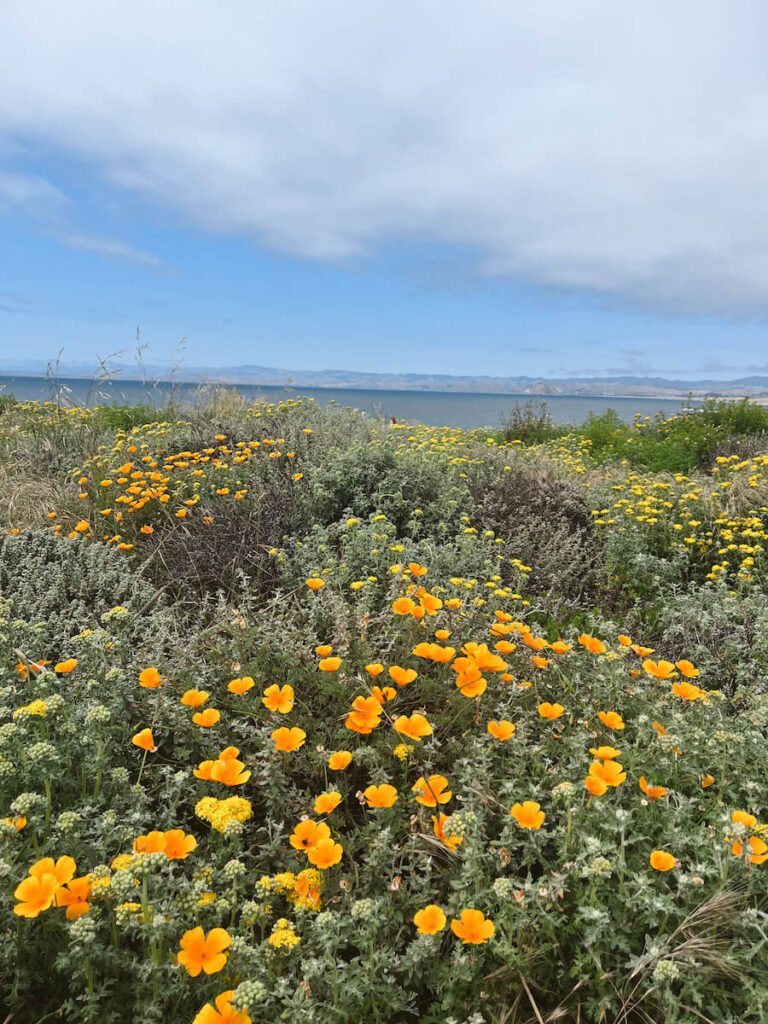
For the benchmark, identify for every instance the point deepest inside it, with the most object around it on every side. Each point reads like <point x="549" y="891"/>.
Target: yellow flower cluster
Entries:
<point x="37" y="707"/>
<point x="283" y="936"/>
<point x="302" y="889"/>
<point x="218" y="813"/>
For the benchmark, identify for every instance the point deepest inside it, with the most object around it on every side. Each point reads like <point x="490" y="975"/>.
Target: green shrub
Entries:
<point x="572" y="902"/>
<point x="724" y="633"/>
<point x="508" y="539"/>
<point x="61" y="587"/>
<point x="531" y="424"/>
<point x="546" y="522"/>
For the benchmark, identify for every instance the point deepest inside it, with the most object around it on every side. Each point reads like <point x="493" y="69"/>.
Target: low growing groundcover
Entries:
<point x="306" y="718"/>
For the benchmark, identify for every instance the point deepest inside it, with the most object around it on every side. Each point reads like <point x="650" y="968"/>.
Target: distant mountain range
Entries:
<point x="631" y="387"/>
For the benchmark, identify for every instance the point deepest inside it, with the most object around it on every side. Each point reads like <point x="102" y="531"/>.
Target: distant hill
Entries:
<point x="625" y="386"/>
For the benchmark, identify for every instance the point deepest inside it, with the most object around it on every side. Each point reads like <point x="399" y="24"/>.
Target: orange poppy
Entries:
<point x="438" y="827"/>
<point x="484" y="659"/>
<point x="432" y="791"/>
<point x="659" y="669"/>
<point x="429" y="920"/>
<point x="592" y="644"/>
<point x="203" y="770"/>
<point x="560" y="647"/>
<point x="374" y="669"/>
<point x="604" y="753"/>
<point x="661" y="860"/>
<point x="65" y="667"/>
<point x="150" y="679"/>
<point x="178" y="845"/>
<point x="652" y="792"/>
<point x="415" y="727"/>
<point x="547" y="710"/>
<point x="536" y="643"/>
<point x="504" y="647"/>
<point x="35" y="894"/>
<point x="74" y="897"/>
<point x="595" y="786"/>
<point x="611" y="772"/>
<point x="625" y="641"/>
<point x="315" y="583"/>
<point x="308" y="833"/>
<point x="329" y="664"/>
<point x="687" y="669"/>
<point x="744" y="818"/>
<point x="611" y="719"/>
<point x="402" y="676"/>
<point x="707" y="781"/>
<point x="323" y="650"/>
<point x="758" y="850"/>
<point x="384" y="696"/>
<point x="278" y="698"/>
<point x="689" y="691"/>
<point x="502" y="730"/>
<point x="287" y="740"/>
<point x="228" y="771"/>
<point x="63" y="869"/>
<point x="205" y="719"/>
<point x="152" y="842"/>
<point x="340" y="760"/>
<point x="327" y="802"/>
<point x="201" y="952"/>
<point x="194" y="698"/>
<point x="325" y="854"/>
<point x="403" y="606"/>
<point x="539" y="662"/>
<point x="528" y="814"/>
<point x="501" y="629"/>
<point x="430" y="604"/>
<point x="38" y="666"/>
<point x="473" y="927"/>
<point x="241" y="686"/>
<point x="223" y="1012"/>
<point x="381" y="796"/>
<point x="434" y="652"/>
<point x="365" y="715"/>
<point x="145" y="740"/>
<point x="471" y="683"/>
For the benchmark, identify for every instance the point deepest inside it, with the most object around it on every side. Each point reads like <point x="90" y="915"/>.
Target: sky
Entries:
<point x="566" y="188"/>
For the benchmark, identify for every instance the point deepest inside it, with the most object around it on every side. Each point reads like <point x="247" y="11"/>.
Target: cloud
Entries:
<point x="49" y="209"/>
<point x="30" y="194"/>
<point x="615" y="149"/>
<point x="112" y="250"/>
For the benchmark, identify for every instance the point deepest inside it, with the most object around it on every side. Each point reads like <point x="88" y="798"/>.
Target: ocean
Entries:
<point x="434" y="408"/>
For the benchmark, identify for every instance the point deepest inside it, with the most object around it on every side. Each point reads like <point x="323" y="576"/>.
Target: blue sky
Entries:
<point x="572" y="190"/>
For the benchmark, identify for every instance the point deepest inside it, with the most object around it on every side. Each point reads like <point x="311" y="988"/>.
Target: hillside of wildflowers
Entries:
<point x="305" y="717"/>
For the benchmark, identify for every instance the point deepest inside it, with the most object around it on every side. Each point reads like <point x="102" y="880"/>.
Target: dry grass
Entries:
<point x="25" y="501"/>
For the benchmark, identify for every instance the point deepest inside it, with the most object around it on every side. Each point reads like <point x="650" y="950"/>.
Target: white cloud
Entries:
<point x="614" y="148"/>
<point x="112" y="249"/>
<point x="30" y="194"/>
<point x="49" y="209"/>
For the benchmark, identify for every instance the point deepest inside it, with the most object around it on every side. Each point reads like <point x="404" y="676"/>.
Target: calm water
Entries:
<point x="431" y="407"/>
